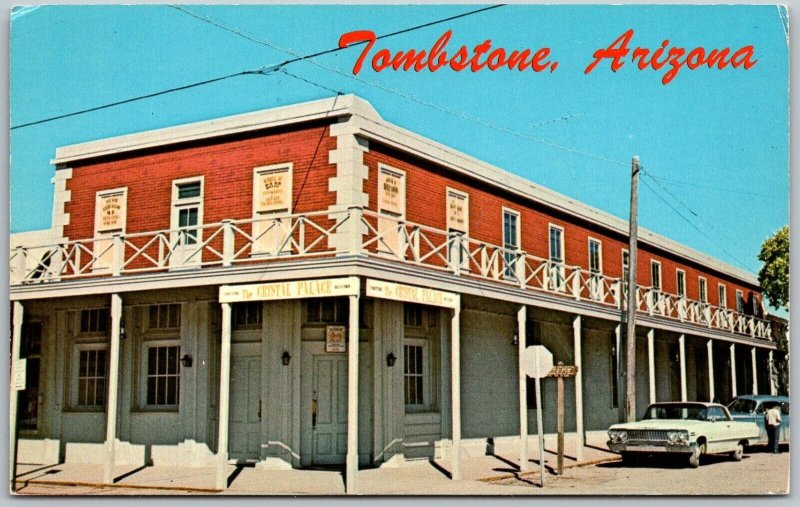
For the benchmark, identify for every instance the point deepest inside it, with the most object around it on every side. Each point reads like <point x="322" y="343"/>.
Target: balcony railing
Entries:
<point x="364" y="232"/>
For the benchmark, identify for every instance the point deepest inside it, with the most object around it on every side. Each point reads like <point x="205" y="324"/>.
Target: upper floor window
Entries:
<point x="681" y="283"/>
<point x="723" y="299"/>
<point x="457" y="225"/>
<point x="94" y="320"/>
<point x="511" y="240"/>
<point x="595" y="256"/>
<point x="557" y="272"/>
<point x="702" y="288"/>
<point x="391" y="209"/>
<point x="164" y="316"/>
<point x="110" y="216"/>
<point x="626" y="265"/>
<point x="739" y="301"/>
<point x="655" y="275"/>
<point x="187" y="217"/>
<point x="272" y="200"/>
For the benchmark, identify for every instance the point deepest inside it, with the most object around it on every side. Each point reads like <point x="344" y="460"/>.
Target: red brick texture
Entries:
<point x="426" y="186"/>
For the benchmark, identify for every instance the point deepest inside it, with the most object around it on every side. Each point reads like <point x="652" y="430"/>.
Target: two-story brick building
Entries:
<point x="313" y="285"/>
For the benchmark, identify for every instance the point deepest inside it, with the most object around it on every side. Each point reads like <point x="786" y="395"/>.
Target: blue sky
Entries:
<point x="717" y="139"/>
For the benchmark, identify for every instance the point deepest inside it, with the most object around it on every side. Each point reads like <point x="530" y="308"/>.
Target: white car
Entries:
<point x="692" y="428"/>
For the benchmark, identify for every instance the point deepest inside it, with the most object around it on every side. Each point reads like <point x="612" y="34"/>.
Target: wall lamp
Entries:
<point x="186" y="361"/>
<point x="515" y="340"/>
<point x="390" y="359"/>
<point x="285" y="358"/>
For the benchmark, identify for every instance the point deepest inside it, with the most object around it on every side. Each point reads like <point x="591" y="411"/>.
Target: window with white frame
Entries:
<point x="702" y="287"/>
<point x="723" y="298"/>
<point x="110" y="217"/>
<point x="186" y="221"/>
<point x="162" y="374"/>
<point x="681" y="283"/>
<point x="458" y="227"/>
<point x="655" y="275"/>
<point x="272" y="202"/>
<point x="556" y="250"/>
<point x="416" y="374"/>
<point x="511" y="241"/>
<point x="595" y="256"/>
<point x="412" y="315"/>
<point x="92" y="371"/>
<point x="739" y="301"/>
<point x="391" y="209"/>
<point x="327" y="311"/>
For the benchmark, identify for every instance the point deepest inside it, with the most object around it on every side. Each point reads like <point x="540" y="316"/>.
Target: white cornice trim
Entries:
<point x="372" y="126"/>
<point x="257" y="120"/>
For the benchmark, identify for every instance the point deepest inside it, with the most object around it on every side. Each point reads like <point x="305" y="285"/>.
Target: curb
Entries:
<point x="117" y="485"/>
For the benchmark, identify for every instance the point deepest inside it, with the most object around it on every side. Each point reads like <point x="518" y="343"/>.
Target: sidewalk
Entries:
<point x="413" y="477"/>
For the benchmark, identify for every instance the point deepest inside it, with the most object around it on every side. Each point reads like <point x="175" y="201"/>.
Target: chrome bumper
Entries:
<point x="647" y="447"/>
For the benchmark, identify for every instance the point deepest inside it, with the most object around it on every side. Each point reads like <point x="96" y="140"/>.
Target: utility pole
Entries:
<point x="630" y="342"/>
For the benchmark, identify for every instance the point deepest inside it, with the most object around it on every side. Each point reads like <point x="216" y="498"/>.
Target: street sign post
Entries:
<point x="561" y="372"/>
<point x="537" y="362"/>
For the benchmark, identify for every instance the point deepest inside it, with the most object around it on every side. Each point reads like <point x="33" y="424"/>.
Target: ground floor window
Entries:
<point x="163" y="375"/>
<point x="92" y="371"/>
<point x="416" y="374"/>
<point x="31" y="349"/>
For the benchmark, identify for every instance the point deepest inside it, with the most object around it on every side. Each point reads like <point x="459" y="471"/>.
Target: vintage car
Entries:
<point x="692" y="429"/>
<point x="752" y="408"/>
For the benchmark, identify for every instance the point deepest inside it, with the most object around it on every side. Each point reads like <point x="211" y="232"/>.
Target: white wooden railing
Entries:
<point x="360" y="232"/>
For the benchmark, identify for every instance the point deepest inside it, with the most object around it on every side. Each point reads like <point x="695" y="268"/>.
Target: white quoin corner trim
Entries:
<point x="348" y="184"/>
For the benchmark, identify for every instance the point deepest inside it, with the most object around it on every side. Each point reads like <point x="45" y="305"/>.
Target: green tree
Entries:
<point x="774" y="280"/>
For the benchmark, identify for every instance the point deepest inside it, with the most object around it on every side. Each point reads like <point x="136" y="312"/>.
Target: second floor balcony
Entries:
<point x="353" y="232"/>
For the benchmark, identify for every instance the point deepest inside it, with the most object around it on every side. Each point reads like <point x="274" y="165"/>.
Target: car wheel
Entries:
<point x="694" y="458"/>
<point x="738" y="453"/>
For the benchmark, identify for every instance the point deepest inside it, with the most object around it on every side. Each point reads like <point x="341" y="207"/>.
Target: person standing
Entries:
<point x="772" y="420"/>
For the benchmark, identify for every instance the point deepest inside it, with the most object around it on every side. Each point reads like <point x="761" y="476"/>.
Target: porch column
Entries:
<point x="733" y="370"/>
<point x="773" y="388"/>
<point x="522" y="318"/>
<point x="651" y="363"/>
<point x="16" y="338"/>
<point x="455" y="394"/>
<point x="113" y="388"/>
<point x="755" y="370"/>
<point x="682" y="353"/>
<point x="224" y="397"/>
<point x="576" y="339"/>
<point x="617" y="357"/>
<point x="710" y="352"/>
<point x="352" y="397"/>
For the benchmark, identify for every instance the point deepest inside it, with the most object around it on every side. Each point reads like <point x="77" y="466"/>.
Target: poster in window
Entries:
<point x="111" y="212"/>
<point x="335" y="339"/>
<point x="457" y="212"/>
<point x="272" y="190"/>
<point x="393" y="194"/>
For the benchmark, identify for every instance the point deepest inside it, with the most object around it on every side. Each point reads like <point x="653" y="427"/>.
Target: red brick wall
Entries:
<point x="426" y="186"/>
<point x="227" y="166"/>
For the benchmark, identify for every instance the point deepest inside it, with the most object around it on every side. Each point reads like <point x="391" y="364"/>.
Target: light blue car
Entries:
<point x="752" y="408"/>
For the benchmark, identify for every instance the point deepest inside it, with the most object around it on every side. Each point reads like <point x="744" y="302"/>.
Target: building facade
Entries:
<point x="313" y="285"/>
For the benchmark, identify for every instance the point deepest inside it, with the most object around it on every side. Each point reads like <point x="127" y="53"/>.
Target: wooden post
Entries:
<point x="682" y="354"/>
<point x="710" y="353"/>
<point x="755" y="370"/>
<point x="733" y="370"/>
<point x="522" y="317"/>
<point x="630" y="371"/>
<point x="113" y="388"/>
<point x="560" y="425"/>
<point x="579" y="435"/>
<point x="651" y="363"/>
<point x="560" y="372"/>
<point x="16" y="338"/>
<point x="352" y="398"/>
<point x="538" y="385"/>
<point x="455" y="391"/>
<point x="224" y="398"/>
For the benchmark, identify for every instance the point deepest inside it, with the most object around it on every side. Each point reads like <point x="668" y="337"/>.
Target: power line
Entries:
<point x="261" y="71"/>
<point x="336" y="49"/>
<point x="708" y="187"/>
<point x="689" y="221"/>
<point x="403" y="94"/>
